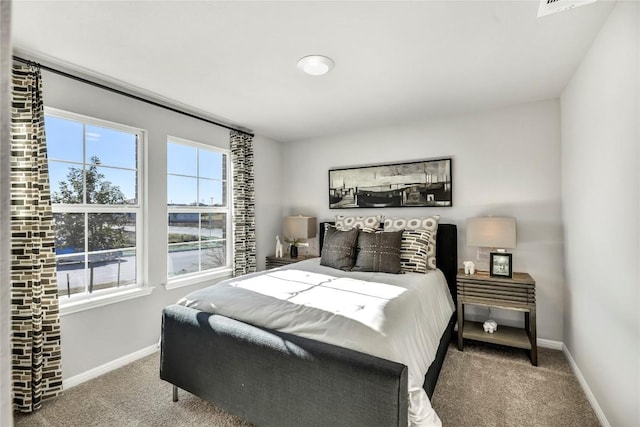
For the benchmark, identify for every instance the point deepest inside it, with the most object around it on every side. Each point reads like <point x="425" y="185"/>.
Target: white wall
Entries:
<point x="601" y="215"/>
<point x="505" y="162"/>
<point x="98" y="336"/>
<point x="268" y="178"/>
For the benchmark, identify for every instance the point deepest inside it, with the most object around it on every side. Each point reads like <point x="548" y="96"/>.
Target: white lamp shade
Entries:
<point x="300" y="227"/>
<point x="491" y="232"/>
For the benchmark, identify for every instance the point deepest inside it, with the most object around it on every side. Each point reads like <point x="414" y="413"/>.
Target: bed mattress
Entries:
<point x="398" y="317"/>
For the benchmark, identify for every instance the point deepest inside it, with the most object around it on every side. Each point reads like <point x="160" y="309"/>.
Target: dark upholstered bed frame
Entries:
<point x="271" y="378"/>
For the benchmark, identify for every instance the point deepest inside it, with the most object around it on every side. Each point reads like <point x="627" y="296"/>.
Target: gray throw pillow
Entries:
<point x="379" y="251"/>
<point x="339" y="248"/>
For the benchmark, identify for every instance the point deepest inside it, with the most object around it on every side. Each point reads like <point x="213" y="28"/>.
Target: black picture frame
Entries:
<point x="500" y="265"/>
<point x="423" y="183"/>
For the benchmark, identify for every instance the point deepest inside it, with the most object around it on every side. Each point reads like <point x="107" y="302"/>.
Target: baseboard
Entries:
<point x="554" y="345"/>
<point x="107" y="367"/>
<point x="585" y="387"/>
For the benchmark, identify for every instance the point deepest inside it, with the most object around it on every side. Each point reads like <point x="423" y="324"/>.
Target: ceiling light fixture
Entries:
<point x="315" y="65"/>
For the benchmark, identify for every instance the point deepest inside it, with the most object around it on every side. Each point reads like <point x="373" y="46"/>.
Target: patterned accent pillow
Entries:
<point x="413" y="250"/>
<point x="339" y="248"/>
<point x="423" y="223"/>
<point x="379" y="251"/>
<point x="361" y="222"/>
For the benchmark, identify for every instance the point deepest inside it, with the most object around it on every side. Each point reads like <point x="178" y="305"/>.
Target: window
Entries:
<point x="95" y="178"/>
<point x="198" y="209"/>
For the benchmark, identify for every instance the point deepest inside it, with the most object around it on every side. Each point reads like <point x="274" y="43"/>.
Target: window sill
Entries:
<point x="102" y="300"/>
<point x="201" y="279"/>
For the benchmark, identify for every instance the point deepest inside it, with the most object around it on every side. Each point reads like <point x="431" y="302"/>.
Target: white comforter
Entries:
<point x="399" y="317"/>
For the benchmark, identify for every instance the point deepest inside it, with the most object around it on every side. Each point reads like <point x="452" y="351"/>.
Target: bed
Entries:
<point x="273" y="378"/>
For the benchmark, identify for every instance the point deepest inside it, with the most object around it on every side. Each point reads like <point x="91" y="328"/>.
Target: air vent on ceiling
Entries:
<point x="547" y="7"/>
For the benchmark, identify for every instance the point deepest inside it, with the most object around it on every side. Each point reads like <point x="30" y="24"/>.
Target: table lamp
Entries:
<point x="297" y="229"/>
<point x="497" y="233"/>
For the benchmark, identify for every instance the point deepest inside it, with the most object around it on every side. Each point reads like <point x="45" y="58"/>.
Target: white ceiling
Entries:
<point x="395" y="61"/>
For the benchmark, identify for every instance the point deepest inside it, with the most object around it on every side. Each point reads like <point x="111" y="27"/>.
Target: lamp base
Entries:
<point x="482" y="259"/>
<point x="293" y="251"/>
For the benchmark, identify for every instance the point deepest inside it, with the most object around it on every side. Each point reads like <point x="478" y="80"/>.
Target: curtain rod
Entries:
<point x="129" y="95"/>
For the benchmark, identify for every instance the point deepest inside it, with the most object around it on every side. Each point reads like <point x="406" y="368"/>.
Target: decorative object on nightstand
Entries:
<point x="517" y="293"/>
<point x="298" y="229"/>
<point x="497" y="233"/>
<point x="500" y="265"/>
<point x="490" y="326"/>
<point x="469" y="267"/>
<point x="278" y="247"/>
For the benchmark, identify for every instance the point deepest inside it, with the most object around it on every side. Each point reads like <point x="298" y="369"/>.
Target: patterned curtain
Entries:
<point x="244" y="205"/>
<point x="35" y="323"/>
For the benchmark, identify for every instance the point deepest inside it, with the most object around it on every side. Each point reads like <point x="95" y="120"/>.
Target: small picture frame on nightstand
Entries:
<point x="500" y="265"/>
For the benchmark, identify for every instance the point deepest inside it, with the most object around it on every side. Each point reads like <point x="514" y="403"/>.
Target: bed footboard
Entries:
<point x="276" y="379"/>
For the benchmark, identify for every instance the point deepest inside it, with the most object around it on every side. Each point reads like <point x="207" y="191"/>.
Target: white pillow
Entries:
<point x="365" y="223"/>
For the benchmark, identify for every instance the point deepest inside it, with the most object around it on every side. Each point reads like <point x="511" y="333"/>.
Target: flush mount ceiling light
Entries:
<point x="315" y="65"/>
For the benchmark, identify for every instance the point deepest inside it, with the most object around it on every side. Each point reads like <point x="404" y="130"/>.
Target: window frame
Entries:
<point x="209" y="275"/>
<point x="85" y="300"/>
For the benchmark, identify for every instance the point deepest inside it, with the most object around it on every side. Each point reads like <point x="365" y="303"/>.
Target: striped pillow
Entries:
<point x="423" y="224"/>
<point x="413" y="251"/>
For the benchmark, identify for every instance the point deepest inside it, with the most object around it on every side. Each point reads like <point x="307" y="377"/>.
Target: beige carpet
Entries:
<point x="482" y="386"/>
<point x="497" y="386"/>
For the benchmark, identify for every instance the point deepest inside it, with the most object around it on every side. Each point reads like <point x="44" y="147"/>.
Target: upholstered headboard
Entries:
<point x="446" y="253"/>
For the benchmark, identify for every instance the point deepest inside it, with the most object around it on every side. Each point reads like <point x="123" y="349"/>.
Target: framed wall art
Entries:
<point x="500" y="265"/>
<point x="425" y="183"/>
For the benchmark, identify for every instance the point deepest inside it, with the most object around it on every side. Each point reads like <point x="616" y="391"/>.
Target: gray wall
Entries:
<point x="94" y="337"/>
<point x="505" y="162"/>
<point x="268" y="176"/>
<point x="601" y="216"/>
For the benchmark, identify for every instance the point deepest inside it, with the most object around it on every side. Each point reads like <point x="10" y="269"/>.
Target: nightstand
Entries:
<point x="517" y="293"/>
<point x="273" y="262"/>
